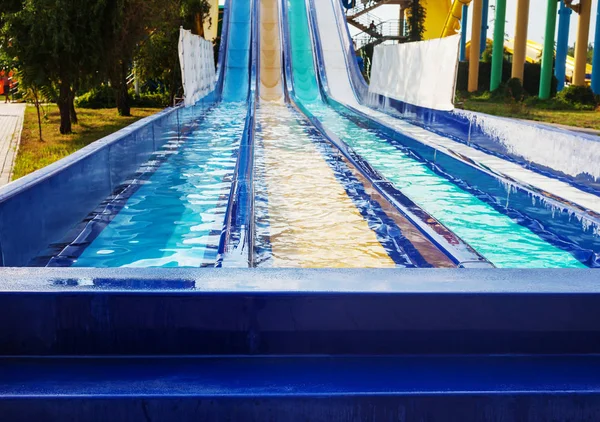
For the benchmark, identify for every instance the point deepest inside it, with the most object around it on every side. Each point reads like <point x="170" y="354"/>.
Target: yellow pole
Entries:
<point x="581" y="45"/>
<point x="520" y="49"/>
<point x="475" y="43"/>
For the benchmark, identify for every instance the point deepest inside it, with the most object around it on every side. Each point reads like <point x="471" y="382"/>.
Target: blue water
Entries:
<point x="496" y="236"/>
<point x="236" y="84"/>
<point x="176" y="217"/>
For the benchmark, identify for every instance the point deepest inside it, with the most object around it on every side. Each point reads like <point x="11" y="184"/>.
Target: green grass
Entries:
<point x="93" y="124"/>
<point x="552" y="111"/>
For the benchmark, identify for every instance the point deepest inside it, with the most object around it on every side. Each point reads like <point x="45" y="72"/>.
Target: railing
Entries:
<point x="366" y="19"/>
<point x="364" y="5"/>
<point x="387" y="30"/>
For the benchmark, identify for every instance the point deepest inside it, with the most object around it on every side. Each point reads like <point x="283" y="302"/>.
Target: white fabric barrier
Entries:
<point x="419" y="73"/>
<point x="197" y="63"/>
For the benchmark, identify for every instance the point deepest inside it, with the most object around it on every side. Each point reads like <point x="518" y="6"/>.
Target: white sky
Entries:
<point x="537" y="20"/>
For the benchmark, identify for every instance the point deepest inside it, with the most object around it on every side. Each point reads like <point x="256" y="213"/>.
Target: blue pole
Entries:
<point x="596" y="58"/>
<point x="484" y="25"/>
<point x="463" y="33"/>
<point x="562" y="44"/>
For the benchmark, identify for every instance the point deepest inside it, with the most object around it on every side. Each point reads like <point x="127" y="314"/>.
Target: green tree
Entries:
<point x="157" y="58"/>
<point x="147" y="29"/>
<point x="416" y="20"/>
<point x="590" y="52"/>
<point x="55" y="42"/>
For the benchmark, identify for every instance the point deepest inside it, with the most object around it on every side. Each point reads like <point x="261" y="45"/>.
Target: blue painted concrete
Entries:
<point x="40" y="208"/>
<point x="338" y="312"/>
<point x="482" y="407"/>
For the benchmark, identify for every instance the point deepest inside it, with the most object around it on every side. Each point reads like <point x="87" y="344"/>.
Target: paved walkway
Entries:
<point x="11" y="124"/>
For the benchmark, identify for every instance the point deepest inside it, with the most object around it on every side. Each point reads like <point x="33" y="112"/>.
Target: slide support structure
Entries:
<point x="485" y="7"/>
<point x="596" y="58"/>
<point x="474" y="52"/>
<point x="581" y="43"/>
<point x="520" y="50"/>
<point x="562" y="44"/>
<point x="498" y="51"/>
<point x="548" y="52"/>
<point x="463" y="33"/>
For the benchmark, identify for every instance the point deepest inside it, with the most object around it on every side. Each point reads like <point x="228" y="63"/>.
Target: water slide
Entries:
<point x="300" y="184"/>
<point x="285" y="165"/>
<point x="172" y="212"/>
<point x="497" y="236"/>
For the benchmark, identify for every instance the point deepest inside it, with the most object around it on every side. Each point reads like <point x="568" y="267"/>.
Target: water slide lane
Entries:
<point x="305" y="217"/>
<point x="500" y="239"/>
<point x="176" y="216"/>
<point x="312" y="221"/>
<point x="237" y="62"/>
<point x="271" y="84"/>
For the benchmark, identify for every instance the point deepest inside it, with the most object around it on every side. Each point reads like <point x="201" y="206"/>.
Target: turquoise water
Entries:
<point x="236" y="83"/>
<point x="175" y="218"/>
<point x="494" y="235"/>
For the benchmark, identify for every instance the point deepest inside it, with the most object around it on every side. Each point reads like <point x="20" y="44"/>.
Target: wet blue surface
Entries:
<point x="297" y="376"/>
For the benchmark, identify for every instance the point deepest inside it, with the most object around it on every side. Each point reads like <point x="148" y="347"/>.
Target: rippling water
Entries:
<point x="175" y="218"/>
<point x="496" y="236"/>
<point x="305" y="216"/>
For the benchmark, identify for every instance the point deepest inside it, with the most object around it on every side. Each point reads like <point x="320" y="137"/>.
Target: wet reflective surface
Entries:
<point x="305" y="217"/>
<point x="496" y="236"/>
<point x="176" y="217"/>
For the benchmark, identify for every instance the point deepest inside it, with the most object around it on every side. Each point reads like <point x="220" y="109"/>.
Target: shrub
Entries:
<point x="578" y="95"/>
<point x="104" y="97"/>
<point x="514" y="89"/>
<point x="532" y="74"/>
<point x="99" y="97"/>
<point x="551" y="104"/>
<point x="149" y="100"/>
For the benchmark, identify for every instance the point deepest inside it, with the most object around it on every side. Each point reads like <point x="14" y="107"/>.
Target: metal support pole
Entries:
<point x="520" y="49"/>
<point x="562" y="44"/>
<point x="498" y="51"/>
<point x="463" y="33"/>
<point x="581" y="44"/>
<point x="548" y="53"/>
<point x="475" y="44"/>
<point x="596" y="58"/>
<point x="484" y="26"/>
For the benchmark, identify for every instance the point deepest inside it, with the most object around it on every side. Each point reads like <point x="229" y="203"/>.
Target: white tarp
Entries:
<point x="197" y="66"/>
<point x="419" y="73"/>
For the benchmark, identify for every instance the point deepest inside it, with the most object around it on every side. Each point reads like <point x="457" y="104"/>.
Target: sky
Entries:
<point x="537" y="20"/>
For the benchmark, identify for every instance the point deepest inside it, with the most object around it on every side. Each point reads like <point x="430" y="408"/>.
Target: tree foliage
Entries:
<point x="416" y="20"/>
<point x="61" y="46"/>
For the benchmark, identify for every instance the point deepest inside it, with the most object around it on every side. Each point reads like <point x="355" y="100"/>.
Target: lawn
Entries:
<point x="93" y="125"/>
<point x="577" y="118"/>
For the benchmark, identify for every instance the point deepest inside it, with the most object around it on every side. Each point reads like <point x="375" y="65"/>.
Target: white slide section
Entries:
<point x="340" y="89"/>
<point x="197" y="63"/>
<point x="419" y="73"/>
<point x="338" y="77"/>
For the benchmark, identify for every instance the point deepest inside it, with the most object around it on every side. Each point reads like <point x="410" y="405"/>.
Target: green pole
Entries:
<point x="498" y="50"/>
<point x="548" y="53"/>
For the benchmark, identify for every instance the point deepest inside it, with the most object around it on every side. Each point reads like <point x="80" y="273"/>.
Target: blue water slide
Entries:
<point x="451" y="245"/>
<point x="236" y="246"/>
<point x="237" y="56"/>
<point x="550" y="218"/>
<point x="456" y="126"/>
